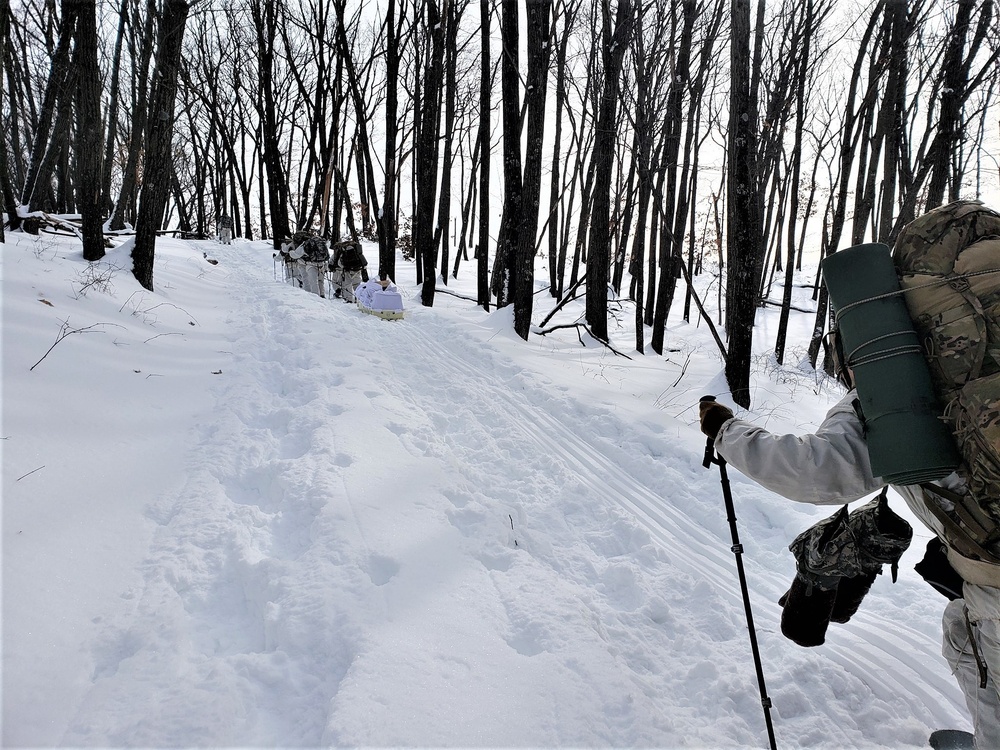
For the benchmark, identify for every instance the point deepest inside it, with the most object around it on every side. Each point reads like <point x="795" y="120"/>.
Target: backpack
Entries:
<point x="351" y="257"/>
<point x="315" y="250"/>
<point x="948" y="261"/>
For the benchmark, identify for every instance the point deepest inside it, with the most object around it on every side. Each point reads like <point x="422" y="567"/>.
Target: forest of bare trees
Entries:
<point x="633" y="143"/>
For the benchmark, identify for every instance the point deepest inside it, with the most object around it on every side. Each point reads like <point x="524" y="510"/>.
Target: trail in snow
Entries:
<point x="376" y="512"/>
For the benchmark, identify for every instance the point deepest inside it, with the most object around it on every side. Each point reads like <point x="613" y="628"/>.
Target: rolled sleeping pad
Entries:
<point x="908" y="442"/>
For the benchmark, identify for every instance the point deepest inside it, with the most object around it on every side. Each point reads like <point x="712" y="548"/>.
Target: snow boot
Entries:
<point x="951" y="739"/>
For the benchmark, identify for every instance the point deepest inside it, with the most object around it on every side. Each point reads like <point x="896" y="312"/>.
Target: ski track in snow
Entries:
<point x="277" y="490"/>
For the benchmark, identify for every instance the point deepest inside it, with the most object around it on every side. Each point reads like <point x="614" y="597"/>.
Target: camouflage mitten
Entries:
<point x="820" y="554"/>
<point x="881" y="537"/>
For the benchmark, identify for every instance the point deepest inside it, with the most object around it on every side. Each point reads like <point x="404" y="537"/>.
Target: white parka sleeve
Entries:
<point x="828" y="467"/>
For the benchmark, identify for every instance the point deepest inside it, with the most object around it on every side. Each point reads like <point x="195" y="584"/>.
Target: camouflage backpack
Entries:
<point x="315" y="250"/>
<point x="948" y="262"/>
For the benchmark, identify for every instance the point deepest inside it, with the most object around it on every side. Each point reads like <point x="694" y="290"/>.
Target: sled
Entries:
<point x="386" y="304"/>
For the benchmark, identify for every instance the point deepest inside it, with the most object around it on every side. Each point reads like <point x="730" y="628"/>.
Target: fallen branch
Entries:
<point x="441" y="290"/>
<point x="585" y="327"/>
<point x="29" y="473"/>
<point x="568" y="297"/>
<point x="65" y="331"/>
<point x="771" y="302"/>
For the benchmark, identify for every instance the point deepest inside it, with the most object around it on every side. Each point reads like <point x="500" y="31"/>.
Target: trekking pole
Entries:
<point x="711" y="457"/>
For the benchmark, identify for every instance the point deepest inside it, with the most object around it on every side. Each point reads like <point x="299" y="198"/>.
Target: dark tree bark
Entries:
<point x="46" y="146"/>
<point x="555" y="182"/>
<point x="453" y="13"/>
<point x="265" y="22"/>
<point x="125" y="205"/>
<point x="949" y="136"/>
<point x="157" y="170"/>
<point x="503" y="264"/>
<point x="88" y="130"/>
<point x="614" y="42"/>
<point x="673" y="218"/>
<point x="6" y="185"/>
<point x="485" y="99"/>
<point x="743" y="220"/>
<point x="393" y="32"/>
<point x="113" y="97"/>
<point x="854" y="112"/>
<point x="795" y="173"/>
<point x="539" y="17"/>
<point x="426" y="164"/>
<point x="364" y="141"/>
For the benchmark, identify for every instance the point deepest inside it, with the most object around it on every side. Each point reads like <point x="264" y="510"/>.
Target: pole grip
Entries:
<point x="709" y="458"/>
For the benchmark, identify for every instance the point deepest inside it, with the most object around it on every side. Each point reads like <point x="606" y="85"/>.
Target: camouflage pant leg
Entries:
<point x="957" y="649"/>
<point x="312" y="278"/>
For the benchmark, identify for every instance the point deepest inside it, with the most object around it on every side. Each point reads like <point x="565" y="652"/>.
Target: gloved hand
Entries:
<point x="713" y="415"/>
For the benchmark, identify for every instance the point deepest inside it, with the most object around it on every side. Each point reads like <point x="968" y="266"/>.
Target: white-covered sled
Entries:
<point x="379" y="298"/>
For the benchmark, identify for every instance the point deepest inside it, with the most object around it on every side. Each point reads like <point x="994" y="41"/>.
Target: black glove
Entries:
<point x="805" y="613"/>
<point x="713" y="415"/>
<point x="850" y="592"/>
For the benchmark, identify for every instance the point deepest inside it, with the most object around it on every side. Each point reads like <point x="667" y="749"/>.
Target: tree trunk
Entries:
<point x="57" y="84"/>
<point x="673" y="221"/>
<point x="949" y="131"/>
<point x="6" y="185"/>
<point x="426" y="164"/>
<point x="156" y="173"/>
<point x="125" y="205"/>
<point x="485" y="103"/>
<point x="555" y="181"/>
<point x="539" y="15"/>
<point x="88" y="130"/>
<point x="503" y="264"/>
<point x="387" y="248"/>
<point x="742" y="225"/>
<point x="599" y="245"/>
<point x="113" y="97"/>
<point x="794" y="177"/>
<point x="265" y="21"/>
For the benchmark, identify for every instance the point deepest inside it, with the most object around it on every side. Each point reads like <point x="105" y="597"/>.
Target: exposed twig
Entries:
<point x="29" y="473"/>
<point x="441" y="290"/>
<point x="568" y="297"/>
<point x="683" y="370"/>
<point x="64" y="331"/>
<point x="173" y="333"/>
<point x="790" y="307"/>
<point x="585" y="327"/>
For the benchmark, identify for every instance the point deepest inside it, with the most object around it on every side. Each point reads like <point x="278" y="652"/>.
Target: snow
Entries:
<point x="238" y="515"/>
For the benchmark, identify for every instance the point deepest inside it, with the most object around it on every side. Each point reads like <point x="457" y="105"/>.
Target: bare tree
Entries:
<point x="141" y="50"/>
<point x="89" y="134"/>
<point x="538" y="48"/>
<point x="50" y="139"/>
<point x="503" y="264"/>
<point x="157" y="170"/>
<point x="743" y="213"/>
<point x="427" y="148"/>
<point x="613" y="45"/>
<point x="485" y="98"/>
<point x="265" y="19"/>
<point x="6" y="186"/>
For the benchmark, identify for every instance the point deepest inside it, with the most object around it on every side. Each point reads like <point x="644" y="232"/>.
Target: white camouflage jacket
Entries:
<point x="831" y="467"/>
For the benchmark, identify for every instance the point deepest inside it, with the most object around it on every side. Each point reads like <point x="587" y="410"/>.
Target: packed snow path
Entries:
<point x="392" y="534"/>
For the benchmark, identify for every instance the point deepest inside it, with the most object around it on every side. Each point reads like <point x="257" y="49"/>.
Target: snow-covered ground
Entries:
<point x="236" y="514"/>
